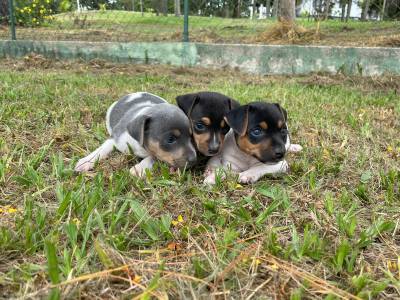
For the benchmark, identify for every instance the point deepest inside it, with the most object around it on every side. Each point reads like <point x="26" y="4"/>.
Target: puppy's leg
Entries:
<point x="139" y="170"/>
<point x="254" y="173"/>
<point x="210" y="173"/>
<point x="87" y="163"/>
<point x="295" y="148"/>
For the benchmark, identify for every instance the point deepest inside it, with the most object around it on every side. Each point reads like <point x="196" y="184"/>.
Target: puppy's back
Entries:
<point x="127" y="108"/>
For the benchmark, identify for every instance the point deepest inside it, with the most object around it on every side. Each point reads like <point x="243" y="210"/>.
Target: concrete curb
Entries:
<point x="258" y="59"/>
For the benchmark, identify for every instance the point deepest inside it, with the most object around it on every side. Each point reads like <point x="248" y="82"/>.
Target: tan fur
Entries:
<point x="222" y="124"/>
<point x="264" y="125"/>
<point x="168" y="157"/>
<point x="176" y="132"/>
<point x="280" y="124"/>
<point x="206" y="120"/>
<point x="202" y="141"/>
<point x="246" y="146"/>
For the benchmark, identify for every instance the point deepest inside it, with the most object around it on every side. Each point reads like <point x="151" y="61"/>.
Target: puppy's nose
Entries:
<point x="213" y="151"/>
<point x="279" y="153"/>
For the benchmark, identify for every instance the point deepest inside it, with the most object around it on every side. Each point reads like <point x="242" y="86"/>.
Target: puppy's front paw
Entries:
<point x="246" y="178"/>
<point x="295" y="148"/>
<point x="210" y="178"/>
<point x="284" y="166"/>
<point x="84" y="165"/>
<point x="137" y="171"/>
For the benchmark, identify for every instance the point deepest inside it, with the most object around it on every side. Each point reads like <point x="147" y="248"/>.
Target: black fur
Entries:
<point x="213" y="106"/>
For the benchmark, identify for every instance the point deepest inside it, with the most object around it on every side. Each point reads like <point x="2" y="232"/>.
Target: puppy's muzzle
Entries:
<point x="214" y="145"/>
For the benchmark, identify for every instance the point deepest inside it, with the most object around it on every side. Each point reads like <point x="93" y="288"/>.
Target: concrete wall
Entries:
<point x="259" y="59"/>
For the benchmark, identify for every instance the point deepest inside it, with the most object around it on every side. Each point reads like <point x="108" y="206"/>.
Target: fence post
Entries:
<point x="12" y="19"/>
<point x="186" y="21"/>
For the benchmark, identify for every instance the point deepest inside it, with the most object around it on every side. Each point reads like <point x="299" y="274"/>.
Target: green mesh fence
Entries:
<point x="215" y="21"/>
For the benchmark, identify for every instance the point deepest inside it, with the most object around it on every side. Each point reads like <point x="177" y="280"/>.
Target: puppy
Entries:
<point x="151" y="128"/>
<point x="256" y="144"/>
<point x="206" y="111"/>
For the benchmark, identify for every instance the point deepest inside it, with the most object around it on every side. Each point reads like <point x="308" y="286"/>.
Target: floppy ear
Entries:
<point x="283" y="111"/>
<point x="238" y="119"/>
<point x="138" y="127"/>
<point x="232" y="104"/>
<point x="187" y="102"/>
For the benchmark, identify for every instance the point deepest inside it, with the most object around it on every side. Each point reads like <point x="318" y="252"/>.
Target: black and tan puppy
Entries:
<point x="206" y="111"/>
<point x="257" y="143"/>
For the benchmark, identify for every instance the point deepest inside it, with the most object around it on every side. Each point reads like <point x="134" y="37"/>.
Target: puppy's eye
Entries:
<point x="200" y="126"/>
<point x="256" y="132"/>
<point x="171" y="139"/>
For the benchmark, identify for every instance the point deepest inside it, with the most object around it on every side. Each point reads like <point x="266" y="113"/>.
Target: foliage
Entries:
<point x="33" y="13"/>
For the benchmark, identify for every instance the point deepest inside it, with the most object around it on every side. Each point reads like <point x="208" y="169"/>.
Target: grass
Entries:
<point x="328" y="230"/>
<point x="129" y="26"/>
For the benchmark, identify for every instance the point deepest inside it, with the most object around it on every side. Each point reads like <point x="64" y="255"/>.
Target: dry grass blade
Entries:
<point x="317" y="282"/>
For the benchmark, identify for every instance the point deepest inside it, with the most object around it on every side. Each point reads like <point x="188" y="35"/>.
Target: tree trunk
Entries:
<point x="4" y="9"/>
<point x="177" y="8"/>
<point x="141" y="7"/>
<point x="383" y="11"/>
<point x="164" y="7"/>
<point x="348" y="9"/>
<point x="327" y="8"/>
<point x="275" y="8"/>
<point x="268" y="8"/>
<point x="287" y="11"/>
<point x="365" y="10"/>
<point x="343" y="5"/>
<point x="133" y="5"/>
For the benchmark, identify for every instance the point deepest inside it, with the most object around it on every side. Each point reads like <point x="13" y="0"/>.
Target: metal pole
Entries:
<point x="186" y="21"/>
<point x="12" y="19"/>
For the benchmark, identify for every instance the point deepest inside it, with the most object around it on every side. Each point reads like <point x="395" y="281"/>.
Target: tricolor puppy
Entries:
<point x="256" y="145"/>
<point x="206" y="111"/>
<point x="150" y="127"/>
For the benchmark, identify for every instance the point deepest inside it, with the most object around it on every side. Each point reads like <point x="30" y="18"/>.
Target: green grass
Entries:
<point x="132" y="26"/>
<point x="328" y="228"/>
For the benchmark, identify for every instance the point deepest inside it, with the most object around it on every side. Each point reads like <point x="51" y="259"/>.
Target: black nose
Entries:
<point x="213" y="151"/>
<point x="279" y="153"/>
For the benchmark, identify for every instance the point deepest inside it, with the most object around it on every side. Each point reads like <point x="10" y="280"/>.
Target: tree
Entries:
<point x="365" y="10"/>
<point x="164" y="7"/>
<point x="348" y="9"/>
<point x="3" y="12"/>
<point x="177" y="8"/>
<point x="287" y="11"/>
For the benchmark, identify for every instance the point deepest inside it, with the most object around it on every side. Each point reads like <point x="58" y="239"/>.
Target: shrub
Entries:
<point x="33" y="13"/>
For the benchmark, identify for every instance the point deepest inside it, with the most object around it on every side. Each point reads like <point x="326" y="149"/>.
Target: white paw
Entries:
<point x="84" y="165"/>
<point x="210" y="179"/>
<point x="137" y="171"/>
<point x="284" y="166"/>
<point x="295" y="148"/>
<point x="247" y="178"/>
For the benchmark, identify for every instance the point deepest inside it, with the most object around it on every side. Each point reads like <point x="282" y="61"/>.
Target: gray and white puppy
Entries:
<point x="148" y="126"/>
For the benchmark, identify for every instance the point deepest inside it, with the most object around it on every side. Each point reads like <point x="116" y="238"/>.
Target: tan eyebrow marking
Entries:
<point x="222" y="124"/>
<point x="206" y="120"/>
<point x="176" y="132"/>
<point x="264" y="125"/>
<point x="280" y="124"/>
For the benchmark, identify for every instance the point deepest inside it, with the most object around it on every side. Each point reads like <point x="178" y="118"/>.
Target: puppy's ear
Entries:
<point x="232" y="104"/>
<point x="138" y="127"/>
<point x="238" y="119"/>
<point x="187" y="102"/>
<point x="283" y="111"/>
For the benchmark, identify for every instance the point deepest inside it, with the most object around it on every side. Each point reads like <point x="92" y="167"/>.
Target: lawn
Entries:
<point x="125" y="26"/>
<point x="328" y="230"/>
